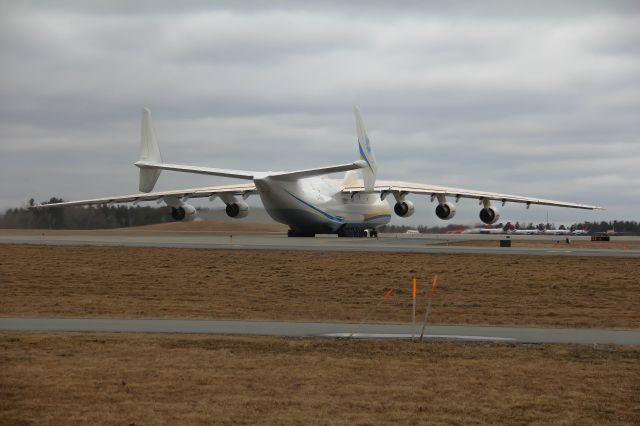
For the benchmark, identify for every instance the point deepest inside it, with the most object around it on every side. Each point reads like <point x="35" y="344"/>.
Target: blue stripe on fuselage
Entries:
<point x="327" y="215"/>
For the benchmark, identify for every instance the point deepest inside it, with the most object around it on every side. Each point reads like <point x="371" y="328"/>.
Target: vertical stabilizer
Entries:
<point x="149" y="151"/>
<point x="366" y="153"/>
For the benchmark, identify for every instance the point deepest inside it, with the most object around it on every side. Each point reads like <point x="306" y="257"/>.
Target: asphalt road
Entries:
<point x="388" y="243"/>
<point x="327" y="330"/>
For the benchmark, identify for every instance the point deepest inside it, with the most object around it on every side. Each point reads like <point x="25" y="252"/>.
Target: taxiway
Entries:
<point x="327" y="330"/>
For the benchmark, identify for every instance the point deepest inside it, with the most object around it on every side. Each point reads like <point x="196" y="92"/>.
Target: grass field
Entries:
<point x="316" y="286"/>
<point x="168" y="379"/>
<point x="102" y="378"/>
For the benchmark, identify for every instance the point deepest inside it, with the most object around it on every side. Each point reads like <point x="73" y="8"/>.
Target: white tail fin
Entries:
<point x="149" y="151"/>
<point x="366" y="153"/>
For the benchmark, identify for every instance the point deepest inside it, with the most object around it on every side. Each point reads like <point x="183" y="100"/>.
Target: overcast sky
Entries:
<point x="530" y="98"/>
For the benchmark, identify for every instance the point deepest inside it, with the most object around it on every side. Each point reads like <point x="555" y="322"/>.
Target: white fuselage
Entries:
<point x="557" y="232"/>
<point x="318" y="205"/>
<point x="526" y="231"/>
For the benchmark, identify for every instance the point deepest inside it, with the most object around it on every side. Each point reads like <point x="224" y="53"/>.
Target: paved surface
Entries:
<point x="387" y="243"/>
<point x="326" y="330"/>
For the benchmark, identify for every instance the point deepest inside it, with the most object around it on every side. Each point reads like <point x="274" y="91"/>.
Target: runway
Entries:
<point x="328" y="330"/>
<point x="391" y="243"/>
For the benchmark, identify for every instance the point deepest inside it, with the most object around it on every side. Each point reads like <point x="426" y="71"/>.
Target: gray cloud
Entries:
<point x="526" y="98"/>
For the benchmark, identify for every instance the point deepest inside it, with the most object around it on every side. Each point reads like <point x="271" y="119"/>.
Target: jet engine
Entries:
<point x="184" y="212"/>
<point x="489" y="215"/>
<point x="404" y="208"/>
<point x="237" y="210"/>
<point x="446" y="211"/>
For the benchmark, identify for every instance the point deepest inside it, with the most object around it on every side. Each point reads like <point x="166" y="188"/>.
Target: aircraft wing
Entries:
<point x="433" y="191"/>
<point x="239" y="189"/>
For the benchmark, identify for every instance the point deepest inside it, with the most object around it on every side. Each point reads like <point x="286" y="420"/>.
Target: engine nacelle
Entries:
<point x="489" y="215"/>
<point x="446" y="211"/>
<point x="237" y="210"/>
<point x="404" y="208"/>
<point x="184" y="212"/>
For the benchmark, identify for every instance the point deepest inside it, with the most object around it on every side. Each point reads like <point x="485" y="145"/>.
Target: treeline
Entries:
<point x="619" y="226"/>
<point x="629" y="227"/>
<point x="89" y="217"/>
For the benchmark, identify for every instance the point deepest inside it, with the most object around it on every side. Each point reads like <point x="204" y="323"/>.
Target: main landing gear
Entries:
<point x="344" y="232"/>
<point x="357" y="233"/>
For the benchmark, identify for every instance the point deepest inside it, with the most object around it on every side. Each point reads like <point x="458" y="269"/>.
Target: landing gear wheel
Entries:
<point x="292" y="233"/>
<point x="357" y="232"/>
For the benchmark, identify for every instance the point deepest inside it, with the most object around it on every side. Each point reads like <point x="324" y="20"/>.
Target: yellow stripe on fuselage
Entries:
<point x="383" y="212"/>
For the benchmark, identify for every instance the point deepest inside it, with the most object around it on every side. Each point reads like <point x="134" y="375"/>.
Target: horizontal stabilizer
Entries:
<point x="250" y="175"/>
<point x="238" y="174"/>
<point x="299" y="174"/>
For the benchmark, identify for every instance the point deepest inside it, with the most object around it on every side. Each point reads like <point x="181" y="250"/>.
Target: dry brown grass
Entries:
<point x="167" y="379"/>
<point x="316" y="286"/>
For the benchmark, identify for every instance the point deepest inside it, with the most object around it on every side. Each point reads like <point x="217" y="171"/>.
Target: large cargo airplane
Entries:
<point x="306" y="200"/>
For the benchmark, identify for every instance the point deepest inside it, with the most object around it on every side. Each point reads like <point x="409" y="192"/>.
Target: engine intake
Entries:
<point x="184" y="212"/>
<point x="446" y="211"/>
<point x="404" y="208"/>
<point x="237" y="210"/>
<point x="489" y="215"/>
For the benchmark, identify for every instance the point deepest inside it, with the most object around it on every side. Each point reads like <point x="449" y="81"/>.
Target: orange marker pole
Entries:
<point x="388" y="294"/>
<point x="413" y="327"/>
<point x="433" y="285"/>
